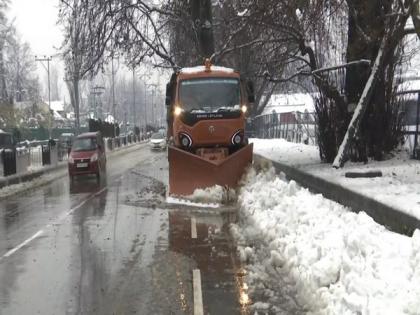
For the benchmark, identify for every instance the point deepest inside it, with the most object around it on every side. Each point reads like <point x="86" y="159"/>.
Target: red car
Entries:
<point x="87" y="155"/>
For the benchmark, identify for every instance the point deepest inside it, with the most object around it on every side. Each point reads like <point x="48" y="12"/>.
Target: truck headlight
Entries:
<point x="185" y="139"/>
<point x="237" y="137"/>
<point x="177" y="111"/>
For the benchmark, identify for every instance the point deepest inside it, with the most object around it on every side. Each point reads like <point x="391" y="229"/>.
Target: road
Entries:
<point x="116" y="247"/>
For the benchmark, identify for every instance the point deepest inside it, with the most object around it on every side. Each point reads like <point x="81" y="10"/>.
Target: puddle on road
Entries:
<point x="213" y="251"/>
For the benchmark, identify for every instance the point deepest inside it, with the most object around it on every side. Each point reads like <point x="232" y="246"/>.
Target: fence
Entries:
<point x="28" y="158"/>
<point x="410" y="133"/>
<point x="37" y="154"/>
<point x="292" y="126"/>
<point x="23" y="160"/>
<point x="8" y="161"/>
<point x="118" y="142"/>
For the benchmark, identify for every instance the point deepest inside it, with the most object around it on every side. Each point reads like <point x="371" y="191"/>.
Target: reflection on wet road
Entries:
<point x="114" y="247"/>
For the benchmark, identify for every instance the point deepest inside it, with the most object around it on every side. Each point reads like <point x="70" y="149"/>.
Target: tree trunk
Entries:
<point x="4" y="98"/>
<point x="201" y="13"/>
<point x="361" y="106"/>
<point x="73" y="87"/>
<point x="77" y="104"/>
<point x="415" y="15"/>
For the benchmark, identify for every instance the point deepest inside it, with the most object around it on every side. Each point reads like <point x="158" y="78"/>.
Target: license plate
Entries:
<point x="80" y="165"/>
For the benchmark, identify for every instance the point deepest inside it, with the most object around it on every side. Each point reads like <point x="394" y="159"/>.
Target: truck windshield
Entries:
<point x="84" y="144"/>
<point x="210" y="95"/>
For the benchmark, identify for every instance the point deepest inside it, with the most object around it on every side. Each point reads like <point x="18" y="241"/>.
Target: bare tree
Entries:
<point x="391" y="31"/>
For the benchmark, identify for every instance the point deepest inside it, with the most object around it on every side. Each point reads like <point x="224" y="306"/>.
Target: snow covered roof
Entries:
<point x="57" y="105"/>
<point x="285" y="103"/>
<point x="202" y="68"/>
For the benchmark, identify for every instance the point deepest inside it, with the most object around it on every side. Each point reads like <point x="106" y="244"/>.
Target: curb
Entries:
<point x="20" y="178"/>
<point x="383" y="214"/>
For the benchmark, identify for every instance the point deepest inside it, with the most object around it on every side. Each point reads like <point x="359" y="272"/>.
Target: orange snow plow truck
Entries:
<point x="206" y="113"/>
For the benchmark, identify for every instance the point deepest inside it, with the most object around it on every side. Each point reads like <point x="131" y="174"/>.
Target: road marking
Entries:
<point x="40" y="232"/>
<point x="83" y="203"/>
<point x="193" y="228"/>
<point x="14" y="250"/>
<point x="198" y="296"/>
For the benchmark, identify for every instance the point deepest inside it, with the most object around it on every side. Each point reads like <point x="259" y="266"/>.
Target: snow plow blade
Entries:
<point x="188" y="172"/>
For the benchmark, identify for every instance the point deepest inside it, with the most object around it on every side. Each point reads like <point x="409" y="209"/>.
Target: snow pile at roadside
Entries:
<point x="287" y="152"/>
<point x="212" y="195"/>
<point x="36" y="182"/>
<point x="398" y="187"/>
<point x="189" y="203"/>
<point x="306" y="254"/>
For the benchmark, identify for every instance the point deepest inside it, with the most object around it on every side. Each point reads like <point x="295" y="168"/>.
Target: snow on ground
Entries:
<point x="211" y="197"/>
<point x="36" y="182"/>
<point x="399" y="186"/>
<point x="287" y="152"/>
<point x="305" y="254"/>
<point x="189" y="203"/>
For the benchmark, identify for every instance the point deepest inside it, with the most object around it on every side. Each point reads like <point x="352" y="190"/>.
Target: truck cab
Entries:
<point x="207" y="108"/>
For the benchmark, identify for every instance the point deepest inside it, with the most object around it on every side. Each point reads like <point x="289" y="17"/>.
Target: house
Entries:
<point x="291" y="102"/>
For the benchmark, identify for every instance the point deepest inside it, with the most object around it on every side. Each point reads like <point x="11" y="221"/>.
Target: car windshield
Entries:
<point x="210" y="95"/>
<point x="84" y="144"/>
<point x="5" y="139"/>
<point x="157" y="136"/>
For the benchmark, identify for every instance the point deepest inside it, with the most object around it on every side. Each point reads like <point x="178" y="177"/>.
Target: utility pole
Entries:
<point x="97" y="91"/>
<point x="113" y="94"/>
<point x="134" y="99"/>
<point x="47" y="59"/>
<point x="153" y="94"/>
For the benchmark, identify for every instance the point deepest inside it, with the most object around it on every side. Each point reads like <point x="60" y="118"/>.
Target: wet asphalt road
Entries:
<point x="115" y="247"/>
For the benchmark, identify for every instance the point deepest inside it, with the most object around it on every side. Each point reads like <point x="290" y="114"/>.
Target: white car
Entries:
<point x="157" y="141"/>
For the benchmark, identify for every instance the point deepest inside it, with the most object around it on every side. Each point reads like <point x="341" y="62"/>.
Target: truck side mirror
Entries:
<point x="250" y="91"/>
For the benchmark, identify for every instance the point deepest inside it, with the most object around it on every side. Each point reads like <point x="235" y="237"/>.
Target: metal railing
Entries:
<point x="293" y="126"/>
<point x="30" y="156"/>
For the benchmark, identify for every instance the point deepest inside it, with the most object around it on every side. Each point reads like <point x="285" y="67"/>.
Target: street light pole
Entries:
<point x="113" y="94"/>
<point x="134" y="100"/>
<point x="154" y="86"/>
<point x="47" y="59"/>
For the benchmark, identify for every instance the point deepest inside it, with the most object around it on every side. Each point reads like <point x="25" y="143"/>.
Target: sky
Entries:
<point x="36" y="21"/>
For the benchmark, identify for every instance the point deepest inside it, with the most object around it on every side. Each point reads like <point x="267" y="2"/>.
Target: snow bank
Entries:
<point x="398" y="187"/>
<point x="36" y="182"/>
<point x="212" y="195"/>
<point x="306" y="254"/>
<point x="287" y="152"/>
<point x="178" y="201"/>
